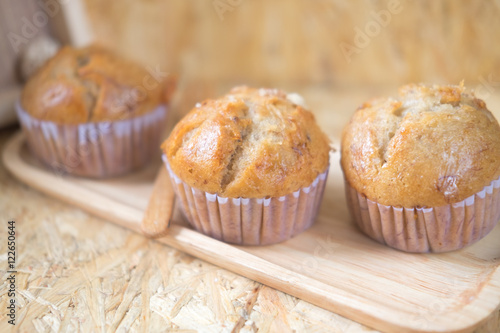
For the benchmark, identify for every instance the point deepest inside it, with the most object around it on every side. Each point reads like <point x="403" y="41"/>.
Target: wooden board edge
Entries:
<point x="311" y="290"/>
<point x="100" y="205"/>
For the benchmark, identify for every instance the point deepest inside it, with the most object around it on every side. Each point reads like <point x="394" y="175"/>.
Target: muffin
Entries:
<point x="422" y="170"/>
<point x="250" y="167"/>
<point x="88" y="112"/>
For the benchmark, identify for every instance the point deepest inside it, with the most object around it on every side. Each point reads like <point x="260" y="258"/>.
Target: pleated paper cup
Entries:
<point x="436" y="229"/>
<point x="252" y="221"/>
<point x="97" y="150"/>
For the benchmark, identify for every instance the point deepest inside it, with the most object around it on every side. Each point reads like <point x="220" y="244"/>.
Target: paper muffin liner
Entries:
<point x="436" y="229"/>
<point x="252" y="221"/>
<point x="100" y="149"/>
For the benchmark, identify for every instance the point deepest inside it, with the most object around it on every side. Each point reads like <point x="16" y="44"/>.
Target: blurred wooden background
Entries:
<point x="281" y="43"/>
<point x="284" y="42"/>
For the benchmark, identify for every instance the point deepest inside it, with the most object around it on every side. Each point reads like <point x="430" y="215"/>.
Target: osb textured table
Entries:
<point x="77" y="272"/>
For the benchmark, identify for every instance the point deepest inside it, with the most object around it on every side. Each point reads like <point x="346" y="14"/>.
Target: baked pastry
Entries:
<point x="422" y="170"/>
<point x="90" y="84"/>
<point x="255" y="153"/>
<point x="89" y="112"/>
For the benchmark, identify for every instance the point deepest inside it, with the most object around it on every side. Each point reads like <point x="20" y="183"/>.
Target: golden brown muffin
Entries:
<point x="90" y="85"/>
<point x="432" y="146"/>
<point x="250" y="143"/>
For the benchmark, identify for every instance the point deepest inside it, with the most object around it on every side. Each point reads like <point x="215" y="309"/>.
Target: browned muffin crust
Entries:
<point x="432" y="146"/>
<point x="251" y="143"/>
<point x="89" y="85"/>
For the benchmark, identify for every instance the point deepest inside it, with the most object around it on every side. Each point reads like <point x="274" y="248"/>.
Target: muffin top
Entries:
<point x="250" y="143"/>
<point x="89" y="85"/>
<point x="432" y="146"/>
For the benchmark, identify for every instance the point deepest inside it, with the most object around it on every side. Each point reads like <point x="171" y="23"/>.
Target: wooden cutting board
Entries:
<point x="331" y="265"/>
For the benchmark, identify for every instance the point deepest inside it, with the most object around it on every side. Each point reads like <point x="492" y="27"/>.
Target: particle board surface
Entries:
<point x="332" y="265"/>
